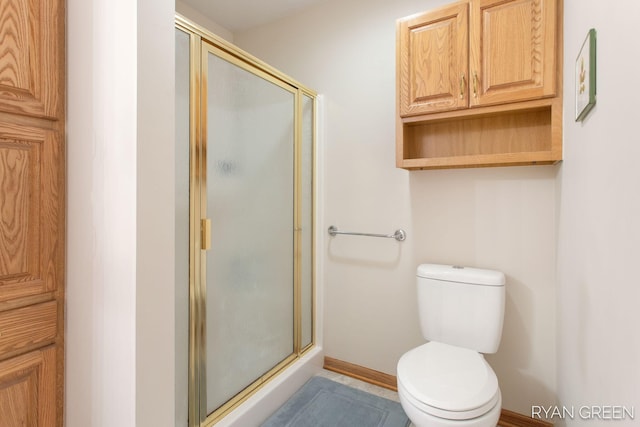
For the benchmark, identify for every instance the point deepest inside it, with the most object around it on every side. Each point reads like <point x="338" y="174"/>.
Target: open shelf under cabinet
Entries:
<point x="517" y="134"/>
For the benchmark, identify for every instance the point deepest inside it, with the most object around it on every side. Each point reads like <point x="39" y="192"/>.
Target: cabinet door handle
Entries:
<point x="475" y="84"/>
<point x="462" y="85"/>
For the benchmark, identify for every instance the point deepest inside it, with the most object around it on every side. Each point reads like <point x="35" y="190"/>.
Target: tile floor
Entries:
<point x="360" y="385"/>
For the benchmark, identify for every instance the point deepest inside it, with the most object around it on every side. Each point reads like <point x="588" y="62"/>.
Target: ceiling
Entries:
<point x="240" y="15"/>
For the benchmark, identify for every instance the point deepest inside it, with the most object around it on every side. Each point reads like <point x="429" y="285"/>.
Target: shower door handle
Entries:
<point x="205" y="238"/>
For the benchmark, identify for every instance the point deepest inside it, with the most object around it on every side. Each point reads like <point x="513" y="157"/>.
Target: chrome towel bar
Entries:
<point x="399" y="235"/>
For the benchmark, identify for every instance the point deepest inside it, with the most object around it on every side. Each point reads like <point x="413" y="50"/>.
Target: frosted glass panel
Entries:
<point x="306" y="220"/>
<point x="250" y="200"/>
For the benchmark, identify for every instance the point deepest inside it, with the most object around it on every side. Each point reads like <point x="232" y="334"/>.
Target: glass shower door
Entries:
<point x="249" y="150"/>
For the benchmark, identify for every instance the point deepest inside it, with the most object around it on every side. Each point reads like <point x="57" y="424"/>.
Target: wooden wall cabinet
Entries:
<point x="32" y="212"/>
<point x="479" y="84"/>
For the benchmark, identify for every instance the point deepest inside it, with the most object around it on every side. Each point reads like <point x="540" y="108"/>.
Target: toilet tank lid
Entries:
<point x="454" y="273"/>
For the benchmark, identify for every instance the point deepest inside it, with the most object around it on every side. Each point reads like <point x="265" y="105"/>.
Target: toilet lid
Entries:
<point x="447" y="377"/>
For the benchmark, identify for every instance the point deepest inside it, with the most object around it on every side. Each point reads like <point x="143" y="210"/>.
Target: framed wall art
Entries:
<point x="586" y="76"/>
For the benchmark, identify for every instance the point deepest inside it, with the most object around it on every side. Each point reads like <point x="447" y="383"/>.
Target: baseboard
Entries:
<point x="371" y="376"/>
<point x="361" y="373"/>
<point x="513" y="419"/>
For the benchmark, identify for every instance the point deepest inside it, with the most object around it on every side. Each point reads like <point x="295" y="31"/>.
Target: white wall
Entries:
<point x="204" y="21"/>
<point x="599" y="212"/>
<point x="120" y="291"/>
<point x="499" y="218"/>
<point x="155" y="214"/>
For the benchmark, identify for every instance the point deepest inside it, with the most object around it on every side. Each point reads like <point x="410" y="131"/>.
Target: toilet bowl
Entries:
<point x="444" y="385"/>
<point x="447" y="382"/>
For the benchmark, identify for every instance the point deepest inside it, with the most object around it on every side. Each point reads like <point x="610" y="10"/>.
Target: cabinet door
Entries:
<point x="32" y="212"/>
<point x="433" y="61"/>
<point x="28" y="389"/>
<point x="513" y="55"/>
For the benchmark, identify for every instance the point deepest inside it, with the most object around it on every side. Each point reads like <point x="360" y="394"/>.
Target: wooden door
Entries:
<point x="513" y="54"/>
<point x="32" y="206"/>
<point x="433" y="61"/>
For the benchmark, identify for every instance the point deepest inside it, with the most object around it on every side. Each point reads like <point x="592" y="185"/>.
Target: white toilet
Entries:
<point x="447" y="382"/>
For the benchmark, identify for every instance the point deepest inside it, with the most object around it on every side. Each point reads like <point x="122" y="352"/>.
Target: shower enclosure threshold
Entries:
<point x="275" y="393"/>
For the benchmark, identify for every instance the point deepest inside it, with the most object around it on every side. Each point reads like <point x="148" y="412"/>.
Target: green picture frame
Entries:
<point x="586" y="76"/>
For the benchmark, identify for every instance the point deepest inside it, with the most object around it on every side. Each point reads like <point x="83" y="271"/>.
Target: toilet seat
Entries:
<point x="447" y="381"/>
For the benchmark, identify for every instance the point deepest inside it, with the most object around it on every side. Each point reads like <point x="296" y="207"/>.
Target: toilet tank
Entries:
<point x="461" y="306"/>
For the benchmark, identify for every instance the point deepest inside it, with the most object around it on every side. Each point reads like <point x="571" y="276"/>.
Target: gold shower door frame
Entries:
<point x="202" y="42"/>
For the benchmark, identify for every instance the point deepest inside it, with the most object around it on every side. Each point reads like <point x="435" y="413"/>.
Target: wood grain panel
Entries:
<point x="513" y="50"/>
<point x="27" y="328"/>
<point x="30" y="208"/>
<point x="15" y="54"/>
<point x="27" y="390"/>
<point x="433" y="60"/>
<point x="30" y="57"/>
<point x="19" y="202"/>
<point x="503" y="28"/>
<point x="521" y="132"/>
<point x="14" y="403"/>
<point x="32" y="214"/>
<point x="431" y="50"/>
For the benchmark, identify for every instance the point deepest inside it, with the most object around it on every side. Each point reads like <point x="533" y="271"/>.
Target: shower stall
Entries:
<point x="245" y="150"/>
